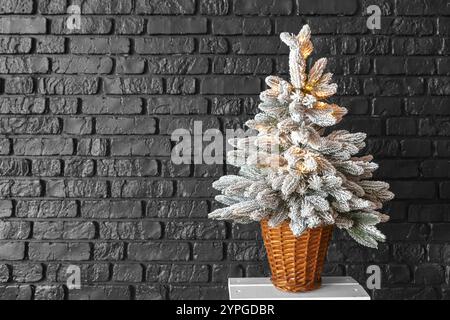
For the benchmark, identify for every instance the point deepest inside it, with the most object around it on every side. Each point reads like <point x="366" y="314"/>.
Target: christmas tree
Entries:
<point x="292" y="170"/>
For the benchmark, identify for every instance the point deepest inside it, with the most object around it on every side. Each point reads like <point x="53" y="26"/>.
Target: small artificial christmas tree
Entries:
<point x="291" y="170"/>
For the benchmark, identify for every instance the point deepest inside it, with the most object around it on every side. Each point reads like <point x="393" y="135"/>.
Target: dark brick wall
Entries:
<point x="85" y="125"/>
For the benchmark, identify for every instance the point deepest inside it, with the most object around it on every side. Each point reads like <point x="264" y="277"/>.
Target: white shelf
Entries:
<point x="333" y="288"/>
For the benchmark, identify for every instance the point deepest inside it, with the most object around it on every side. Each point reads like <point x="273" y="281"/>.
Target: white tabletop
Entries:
<point x="333" y="288"/>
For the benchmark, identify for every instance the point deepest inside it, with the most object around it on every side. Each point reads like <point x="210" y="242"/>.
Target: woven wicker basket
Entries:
<point x="296" y="262"/>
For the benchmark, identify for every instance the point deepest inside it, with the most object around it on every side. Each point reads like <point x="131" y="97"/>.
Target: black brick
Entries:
<point x="231" y="86"/>
<point x="165" y="25"/>
<point x="214" y="7"/>
<point x="327" y="7"/>
<point x="106" y="7"/>
<point x="52" y="6"/>
<point x="415" y="148"/>
<point x="165" y="7"/>
<point x="159" y="251"/>
<point x="263" y="7"/>
<point x="23" y="25"/>
<point x="15" y="44"/>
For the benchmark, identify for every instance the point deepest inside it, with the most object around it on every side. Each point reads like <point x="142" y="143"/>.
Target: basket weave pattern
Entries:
<point x="296" y="262"/>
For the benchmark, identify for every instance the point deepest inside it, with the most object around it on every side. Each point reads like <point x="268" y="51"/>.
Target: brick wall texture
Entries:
<point x="86" y="117"/>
